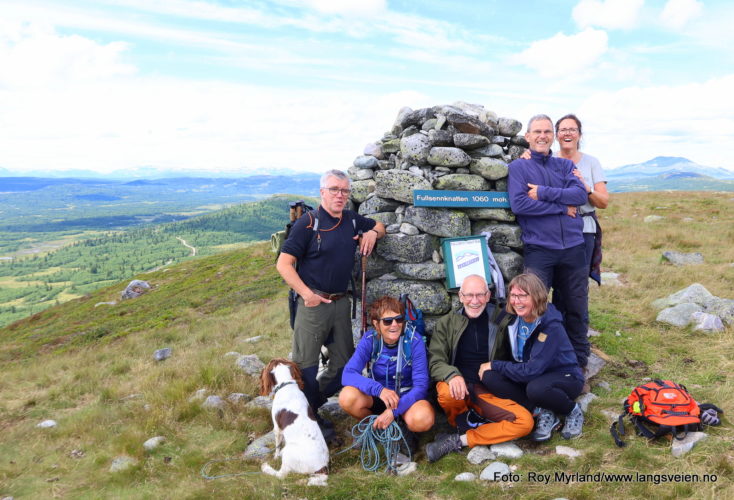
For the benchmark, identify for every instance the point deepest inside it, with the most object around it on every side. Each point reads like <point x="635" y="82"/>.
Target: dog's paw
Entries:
<point x="318" y="480"/>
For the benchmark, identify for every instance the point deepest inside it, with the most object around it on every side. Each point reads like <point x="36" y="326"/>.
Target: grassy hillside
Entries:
<point x="92" y="370"/>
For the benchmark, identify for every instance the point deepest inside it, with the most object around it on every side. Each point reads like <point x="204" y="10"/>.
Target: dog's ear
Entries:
<point x="296" y="374"/>
<point x="267" y="381"/>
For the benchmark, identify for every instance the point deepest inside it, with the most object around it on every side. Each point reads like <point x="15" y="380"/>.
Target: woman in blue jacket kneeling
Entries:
<point x="544" y="375"/>
<point x="397" y="381"/>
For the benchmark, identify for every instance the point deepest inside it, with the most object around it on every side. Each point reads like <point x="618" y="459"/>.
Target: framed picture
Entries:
<point x="463" y="257"/>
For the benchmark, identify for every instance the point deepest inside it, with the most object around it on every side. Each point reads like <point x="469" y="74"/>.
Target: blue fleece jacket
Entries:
<point x="414" y="375"/>
<point x="546" y="350"/>
<point x="544" y="221"/>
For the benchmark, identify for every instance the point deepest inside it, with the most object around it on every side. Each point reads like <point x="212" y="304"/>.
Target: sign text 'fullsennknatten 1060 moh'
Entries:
<point x="461" y="199"/>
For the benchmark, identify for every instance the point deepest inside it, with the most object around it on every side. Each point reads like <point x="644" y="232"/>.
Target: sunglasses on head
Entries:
<point x="389" y="321"/>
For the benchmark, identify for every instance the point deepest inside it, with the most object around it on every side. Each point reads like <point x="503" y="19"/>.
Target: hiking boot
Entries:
<point x="574" y="423"/>
<point x="469" y="420"/>
<point x="443" y="446"/>
<point x="545" y="425"/>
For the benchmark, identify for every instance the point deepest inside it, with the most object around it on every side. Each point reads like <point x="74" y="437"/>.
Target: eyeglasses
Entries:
<point x="472" y="296"/>
<point x="389" y="321"/>
<point x="541" y="132"/>
<point x="519" y="296"/>
<point x="335" y="191"/>
<point x="568" y="130"/>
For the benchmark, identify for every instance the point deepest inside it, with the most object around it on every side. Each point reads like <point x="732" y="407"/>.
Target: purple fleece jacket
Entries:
<point x="544" y="221"/>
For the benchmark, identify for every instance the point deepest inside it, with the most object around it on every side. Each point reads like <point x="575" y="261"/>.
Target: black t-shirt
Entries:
<point x="473" y="348"/>
<point x="326" y="266"/>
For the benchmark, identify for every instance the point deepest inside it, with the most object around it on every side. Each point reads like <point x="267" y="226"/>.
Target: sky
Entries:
<point x="263" y="86"/>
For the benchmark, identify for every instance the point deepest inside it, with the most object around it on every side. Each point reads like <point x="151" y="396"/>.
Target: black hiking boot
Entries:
<point x="441" y="447"/>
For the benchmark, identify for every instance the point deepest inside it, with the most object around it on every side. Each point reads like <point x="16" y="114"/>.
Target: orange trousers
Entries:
<point x="508" y="420"/>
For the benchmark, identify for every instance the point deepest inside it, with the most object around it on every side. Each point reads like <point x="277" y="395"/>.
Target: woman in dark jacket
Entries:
<point x="396" y="385"/>
<point x="544" y="375"/>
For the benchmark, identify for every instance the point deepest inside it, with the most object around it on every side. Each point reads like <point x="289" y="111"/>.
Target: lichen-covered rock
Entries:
<point x="468" y="124"/>
<point x="706" y="322"/>
<point x="404" y="248"/>
<point x="442" y="222"/>
<point x="723" y="308"/>
<point x="429" y="270"/>
<point x="470" y="141"/>
<point x="494" y="471"/>
<point x="496" y="214"/>
<point x="390" y="146"/>
<point x="489" y="168"/>
<point x="360" y="190"/>
<point x="374" y="149"/>
<point x="415" y="148"/>
<point x="365" y="161"/>
<point x="377" y="266"/>
<point x="462" y="182"/>
<point x="520" y="140"/>
<point x="508" y="127"/>
<point x="502" y="234"/>
<point x="682" y="259"/>
<point x="398" y="185"/>
<point x="695" y="293"/>
<point x="409" y="229"/>
<point x="134" y="289"/>
<point x="361" y="174"/>
<point x="679" y="315"/>
<point x="250" y="364"/>
<point x="510" y="264"/>
<point x="515" y="151"/>
<point x="441" y="138"/>
<point x="492" y="150"/>
<point x="448" y="157"/>
<point x="375" y="204"/>
<point x="261" y="447"/>
<point x="429" y="296"/>
<point x="386" y="218"/>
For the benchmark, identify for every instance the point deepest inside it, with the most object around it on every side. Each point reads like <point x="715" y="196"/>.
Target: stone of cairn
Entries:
<point x="461" y="147"/>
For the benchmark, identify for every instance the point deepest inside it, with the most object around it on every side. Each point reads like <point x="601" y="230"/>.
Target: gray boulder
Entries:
<point x="682" y="259"/>
<point x="428" y="270"/>
<point x="213" y="403"/>
<point x="448" y="157"/>
<point x="491" y="150"/>
<point x="429" y="296"/>
<point x="404" y="248"/>
<point x="593" y="366"/>
<point x="461" y="182"/>
<point x="679" y="315"/>
<point x="682" y="446"/>
<point x="250" y="364"/>
<point x="390" y="146"/>
<point x="441" y="138"/>
<point x="409" y="229"/>
<point x="261" y="447"/>
<point x="495" y="471"/>
<point x="375" y="204"/>
<point x="122" y="463"/>
<point x="508" y="127"/>
<point x="468" y="124"/>
<point x="377" y="265"/>
<point x="387" y="218"/>
<point x="161" y="354"/>
<point x="480" y="454"/>
<point x="438" y="221"/>
<point x="261" y="402"/>
<point x="465" y="476"/>
<point x="373" y="149"/>
<point x="490" y="168"/>
<point x="515" y="151"/>
<point x="695" y="293"/>
<point x="508" y="450"/>
<point x="510" y="264"/>
<point x="366" y="161"/>
<point x="723" y="308"/>
<point x="398" y="185"/>
<point x="470" y="141"/>
<point x="706" y="322"/>
<point x="496" y="214"/>
<point x="361" y="174"/>
<point x="502" y="234"/>
<point x="415" y="148"/>
<point x="135" y="289"/>
<point x="360" y="190"/>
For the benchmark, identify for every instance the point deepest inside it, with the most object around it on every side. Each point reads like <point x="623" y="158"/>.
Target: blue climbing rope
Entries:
<point x="369" y="440"/>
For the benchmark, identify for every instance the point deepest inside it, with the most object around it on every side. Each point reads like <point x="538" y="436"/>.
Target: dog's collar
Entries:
<point x="282" y="384"/>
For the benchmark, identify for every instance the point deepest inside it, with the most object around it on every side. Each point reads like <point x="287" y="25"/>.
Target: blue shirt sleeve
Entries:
<point x="520" y="202"/>
<point x="352" y="374"/>
<point x="541" y="357"/>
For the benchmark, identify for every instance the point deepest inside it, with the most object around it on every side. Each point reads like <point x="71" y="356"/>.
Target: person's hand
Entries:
<point x="457" y="388"/>
<point x="313" y="300"/>
<point x="390" y="398"/>
<point x="526" y="155"/>
<point x="367" y="241"/>
<point x="484" y="367"/>
<point x="533" y="192"/>
<point x="571" y="211"/>
<point x="384" y="420"/>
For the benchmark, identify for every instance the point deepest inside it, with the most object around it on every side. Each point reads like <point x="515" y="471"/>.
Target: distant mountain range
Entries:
<point x="669" y="173"/>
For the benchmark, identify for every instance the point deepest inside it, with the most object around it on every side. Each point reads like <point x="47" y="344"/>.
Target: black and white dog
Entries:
<point x="298" y="439"/>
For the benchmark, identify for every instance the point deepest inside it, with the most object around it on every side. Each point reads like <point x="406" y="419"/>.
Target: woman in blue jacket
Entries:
<point x="544" y="375"/>
<point x="397" y="381"/>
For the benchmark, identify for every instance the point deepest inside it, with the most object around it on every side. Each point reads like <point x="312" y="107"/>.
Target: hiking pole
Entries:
<point x="364" y="286"/>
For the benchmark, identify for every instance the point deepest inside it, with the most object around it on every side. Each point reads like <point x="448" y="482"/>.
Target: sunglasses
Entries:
<point x="389" y="321"/>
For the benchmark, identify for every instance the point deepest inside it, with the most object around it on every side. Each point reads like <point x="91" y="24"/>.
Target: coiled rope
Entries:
<point x="369" y="440"/>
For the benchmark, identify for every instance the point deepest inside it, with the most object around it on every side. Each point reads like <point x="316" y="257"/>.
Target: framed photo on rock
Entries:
<point x="463" y="257"/>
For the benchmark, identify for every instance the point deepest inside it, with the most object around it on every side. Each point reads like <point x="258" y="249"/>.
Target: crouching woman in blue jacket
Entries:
<point x="397" y="381"/>
<point x="544" y="375"/>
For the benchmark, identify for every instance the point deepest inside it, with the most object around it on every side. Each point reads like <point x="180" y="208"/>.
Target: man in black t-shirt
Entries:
<point x="325" y="259"/>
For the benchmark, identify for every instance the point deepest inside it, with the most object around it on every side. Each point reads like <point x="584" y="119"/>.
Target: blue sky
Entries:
<point x="305" y="85"/>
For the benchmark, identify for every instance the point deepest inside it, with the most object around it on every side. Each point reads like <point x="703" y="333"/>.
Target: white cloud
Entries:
<point x="565" y="54"/>
<point x="609" y="14"/>
<point x="347" y="7"/>
<point x="638" y="123"/>
<point x="34" y="55"/>
<point x="677" y="13"/>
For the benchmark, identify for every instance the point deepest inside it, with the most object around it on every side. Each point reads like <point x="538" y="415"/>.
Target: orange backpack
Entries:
<point x="661" y="403"/>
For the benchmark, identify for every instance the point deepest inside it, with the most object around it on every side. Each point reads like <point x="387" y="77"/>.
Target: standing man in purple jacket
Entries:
<point x="544" y="195"/>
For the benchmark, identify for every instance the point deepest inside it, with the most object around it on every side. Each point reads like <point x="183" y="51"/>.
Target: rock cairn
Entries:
<point x="449" y="147"/>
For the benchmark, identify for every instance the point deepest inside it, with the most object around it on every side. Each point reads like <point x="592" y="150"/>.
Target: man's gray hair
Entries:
<point x="334" y="173"/>
<point x="535" y="118"/>
<point x="486" y="287"/>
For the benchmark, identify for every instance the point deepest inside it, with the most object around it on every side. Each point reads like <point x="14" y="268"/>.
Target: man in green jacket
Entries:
<point x="462" y="341"/>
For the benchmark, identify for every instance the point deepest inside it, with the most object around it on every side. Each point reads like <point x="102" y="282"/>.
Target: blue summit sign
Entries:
<point x="461" y="199"/>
